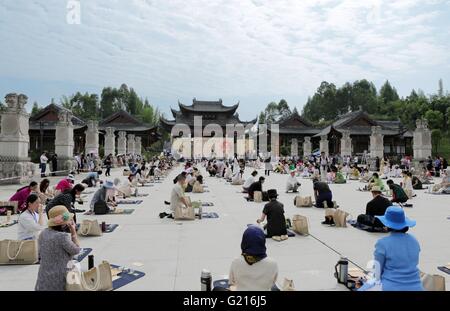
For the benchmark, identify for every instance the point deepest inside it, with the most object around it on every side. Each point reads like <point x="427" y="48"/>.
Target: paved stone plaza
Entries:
<point x="173" y="253"/>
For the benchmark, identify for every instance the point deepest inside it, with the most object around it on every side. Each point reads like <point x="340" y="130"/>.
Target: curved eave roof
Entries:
<point x="208" y="107"/>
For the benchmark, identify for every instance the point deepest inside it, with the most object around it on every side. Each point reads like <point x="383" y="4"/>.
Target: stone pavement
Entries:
<point x="173" y="253"/>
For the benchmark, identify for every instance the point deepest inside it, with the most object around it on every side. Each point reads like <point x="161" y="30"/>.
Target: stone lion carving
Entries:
<point x="122" y="134"/>
<point x="22" y="101"/>
<point x="110" y="131"/>
<point x="11" y="100"/>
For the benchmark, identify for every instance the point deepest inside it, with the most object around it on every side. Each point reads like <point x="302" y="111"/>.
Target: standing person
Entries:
<point x="78" y="159"/>
<point x="54" y="164"/>
<point x="274" y="211"/>
<point x="22" y="194"/>
<point x="267" y="166"/>
<point x="397" y="254"/>
<point x="57" y="245"/>
<point x="322" y="193"/>
<point x="108" y="164"/>
<point x="43" y="163"/>
<point x="292" y="183"/>
<point x="31" y="220"/>
<point x="253" y="270"/>
<point x="324" y="161"/>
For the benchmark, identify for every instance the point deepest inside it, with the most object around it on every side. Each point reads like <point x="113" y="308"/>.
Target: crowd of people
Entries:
<point x="48" y="213"/>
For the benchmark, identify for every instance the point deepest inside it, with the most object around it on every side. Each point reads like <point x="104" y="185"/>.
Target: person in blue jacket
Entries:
<point x="397" y="254"/>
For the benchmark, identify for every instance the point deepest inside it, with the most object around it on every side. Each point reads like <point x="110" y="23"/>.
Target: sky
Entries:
<point x="247" y="51"/>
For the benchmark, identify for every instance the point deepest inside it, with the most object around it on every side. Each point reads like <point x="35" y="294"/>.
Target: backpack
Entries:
<point x="101" y="208"/>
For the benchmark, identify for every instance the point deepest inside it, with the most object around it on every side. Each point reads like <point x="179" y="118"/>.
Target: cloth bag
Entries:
<point x="184" y="213"/>
<point x="90" y="228"/>
<point x="432" y="282"/>
<point x="96" y="279"/>
<point x="257" y="197"/>
<point x="300" y="224"/>
<point x="288" y="285"/>
<point x="303" y="201"/>
<point x="18" y="252"/>
<point x="8" y="205"/>
<point x="197" y="188"/>
<point x="340" y="218"/>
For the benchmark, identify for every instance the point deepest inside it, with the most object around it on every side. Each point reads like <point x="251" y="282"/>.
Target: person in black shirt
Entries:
<point x="256" y="186"/>
<point x="322" y="193"/>
<point x="274" y="211"/>
<point x="417" y="184"/>
<point x="376" y="207"/>
<point x="67" y="199"/>
<point x="108" y="164"/>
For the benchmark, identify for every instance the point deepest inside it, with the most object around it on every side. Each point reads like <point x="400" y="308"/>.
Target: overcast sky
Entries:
<point x="252" y="51"/>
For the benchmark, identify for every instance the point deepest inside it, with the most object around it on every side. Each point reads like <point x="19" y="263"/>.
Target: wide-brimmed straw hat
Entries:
<point x="59" y="215"/>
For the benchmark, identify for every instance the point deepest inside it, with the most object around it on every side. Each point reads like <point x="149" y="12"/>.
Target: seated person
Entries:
<point x="45" y="192"/>
<point x="375" y="181"/>
<point x="340" y="178"/>
<point x="355" y="173"/>
<point x="276" y="223"/>
<point x="67" y="199"/>
<point x="64" y="184"/>
<point x="22" y="194"/>
<point x="292" y="183"/>
<point x="92" y="179"/>
<point x="397" y="255"/>
<point x="237" y="177"/>
<point x="416" y="183"/>
<point x="194" y="182"/>
<point x="256" y="186"/>
<point x="444" y="185"/>
<point x="376" y="207"/>
<point x="253" y="270"/>
<point x="322" y="193"/>
<point x="250" y="180"/>
<point x="198" y="185"/>
<point x="101" y="195"/>
<point x="397" y="192"/>
<point x="177" y="197"/>
<point x="31" y="220"/>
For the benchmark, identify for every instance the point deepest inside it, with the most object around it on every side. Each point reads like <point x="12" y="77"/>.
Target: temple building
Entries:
<point x="43" y="125"/>
<point x="212" y="113"/>
<point x="350" y="133"/>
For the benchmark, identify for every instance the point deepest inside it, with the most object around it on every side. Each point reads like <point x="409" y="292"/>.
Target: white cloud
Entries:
<point x="230" y="48"/>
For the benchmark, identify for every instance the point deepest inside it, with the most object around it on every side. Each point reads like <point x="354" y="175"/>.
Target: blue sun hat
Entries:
<point x="395" y="218"/>
<point x="108" y="185"/>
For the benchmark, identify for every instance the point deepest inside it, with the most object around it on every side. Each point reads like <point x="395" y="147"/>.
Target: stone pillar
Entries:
<point x="138" y="145"/>
<point x="422" y="140"/>
<point x="324" y="144"/>
<point x="294" y="147"/>
<point x="122" y="143"/>
<point x="346" y="144"/>
<point x="110" y="142"/>
<point x="307" y="147"/>
<point x="376" y="147"/>
<point x="92" y="138"/>
<point x="64" y="142"/>
<point x="130" y="147"/>
<point x="15" y="141"/>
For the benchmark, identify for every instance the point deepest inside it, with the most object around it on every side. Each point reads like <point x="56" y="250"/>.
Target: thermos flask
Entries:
<point x="90" y="262"/>
<point x="206" y="281"/>
<point x="341" y="270"/>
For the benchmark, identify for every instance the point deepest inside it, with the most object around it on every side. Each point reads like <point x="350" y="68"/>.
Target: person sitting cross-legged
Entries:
<point x="398" y="194"/>
<point x="376" y="207"/>
<point x="256" y="186"/>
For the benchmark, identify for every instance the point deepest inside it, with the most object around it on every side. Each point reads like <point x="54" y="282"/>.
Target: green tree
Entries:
<point x="66" y="102"/>
<point x="436" y="136"/>
<point x="435" y="119"/>
<point x="85" y="106"/>
<point x="364" y="96"/>
<point x="262" y="118"/>
<point x="388" y="94"/>
<point x="35" y="110"/>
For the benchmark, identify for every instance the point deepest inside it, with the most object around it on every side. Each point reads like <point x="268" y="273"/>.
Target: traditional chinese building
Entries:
<point x="211" y="113"/>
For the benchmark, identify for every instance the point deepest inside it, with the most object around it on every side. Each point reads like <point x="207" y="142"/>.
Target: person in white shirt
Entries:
<point x="250" y="180"/>
<point x="177" y="198"/>
<point x="43" y="163"/>
<point x="237" y="177"/>
<point x="253" y="270"/>
<point x="32" y="220"/>
<point x="292" y="183"/>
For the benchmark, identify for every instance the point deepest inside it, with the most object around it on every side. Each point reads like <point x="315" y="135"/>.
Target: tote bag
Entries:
<point x="18" y="252"/>
<point x="90" y="228"/>
<point x="300" y="224"/>
<point x="96" y="279"/>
